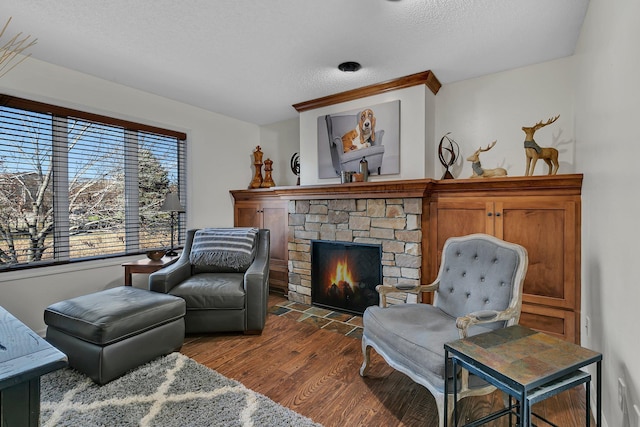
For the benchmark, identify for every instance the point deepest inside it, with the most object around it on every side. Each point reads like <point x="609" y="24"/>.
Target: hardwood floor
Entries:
<point x="315" y="372"/>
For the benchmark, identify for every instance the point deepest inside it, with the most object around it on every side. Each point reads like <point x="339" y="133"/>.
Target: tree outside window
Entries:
<point x="74" y="189"/>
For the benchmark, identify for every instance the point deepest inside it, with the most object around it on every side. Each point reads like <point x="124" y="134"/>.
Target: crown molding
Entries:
<point x="426" y="77"/>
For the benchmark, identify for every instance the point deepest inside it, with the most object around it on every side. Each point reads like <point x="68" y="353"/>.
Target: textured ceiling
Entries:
<point x="253" y="59"/>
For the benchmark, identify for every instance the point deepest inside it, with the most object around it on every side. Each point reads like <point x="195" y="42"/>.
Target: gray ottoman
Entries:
<point x="108" y="333"/>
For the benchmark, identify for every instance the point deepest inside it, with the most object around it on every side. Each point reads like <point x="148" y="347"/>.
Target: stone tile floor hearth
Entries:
<point x="349" y="325"/>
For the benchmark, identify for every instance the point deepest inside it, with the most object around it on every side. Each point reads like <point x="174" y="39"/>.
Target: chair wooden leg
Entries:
<point x="366" y="353"/>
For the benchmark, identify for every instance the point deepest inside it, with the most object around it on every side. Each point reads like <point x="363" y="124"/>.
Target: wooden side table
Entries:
<point x="24" y="358"/>
<point x="146" y="266"/>
<point x="527" y="365"/>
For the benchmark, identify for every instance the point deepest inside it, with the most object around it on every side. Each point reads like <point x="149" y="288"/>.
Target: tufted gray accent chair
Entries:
<point x="478" y="289"/>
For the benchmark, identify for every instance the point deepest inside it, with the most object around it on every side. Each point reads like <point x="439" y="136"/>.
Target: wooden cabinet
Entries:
<point x="542" y="213"/>
<point x="270" y="214"/>
<point x="546" y="221"/>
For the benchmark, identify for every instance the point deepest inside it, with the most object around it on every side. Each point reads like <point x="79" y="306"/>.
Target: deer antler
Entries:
<point x="489" y="147"/>
<point x="541" y="125"/>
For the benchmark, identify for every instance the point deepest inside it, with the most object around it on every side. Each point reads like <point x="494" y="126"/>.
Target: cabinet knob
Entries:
<point x="489" y="213"/>
<point x="497" y="213"/>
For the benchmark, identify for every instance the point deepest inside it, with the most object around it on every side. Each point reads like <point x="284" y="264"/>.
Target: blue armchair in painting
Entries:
<point x="337" y="127"/>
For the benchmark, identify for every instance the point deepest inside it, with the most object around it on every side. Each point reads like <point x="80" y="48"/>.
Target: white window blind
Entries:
<point x="76" y="186"/>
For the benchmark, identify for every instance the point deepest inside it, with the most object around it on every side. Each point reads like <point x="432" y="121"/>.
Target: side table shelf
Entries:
<point x="146" y="266"/>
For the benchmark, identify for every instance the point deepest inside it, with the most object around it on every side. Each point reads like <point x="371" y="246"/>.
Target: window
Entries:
<point x="76" y="186"/>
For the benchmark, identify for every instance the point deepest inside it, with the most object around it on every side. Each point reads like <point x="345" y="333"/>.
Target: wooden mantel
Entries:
<point x="426" y="77"/>
<point x="566" y="184"/>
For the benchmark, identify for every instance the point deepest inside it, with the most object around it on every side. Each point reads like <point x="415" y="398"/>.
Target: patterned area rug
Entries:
<point x="170" y="391"/>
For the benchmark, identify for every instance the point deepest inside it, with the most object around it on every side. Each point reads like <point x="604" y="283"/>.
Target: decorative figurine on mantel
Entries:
<point x="478" y="172"/>
<point x="256" y="182"/>
<point x="268" y="180"/>
<point x="535" y="152"/>
<point x="295" y="166"/>
<point x="448" y="154"/>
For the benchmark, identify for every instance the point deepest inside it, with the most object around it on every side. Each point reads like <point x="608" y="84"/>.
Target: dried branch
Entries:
<point x="11" y="49"/>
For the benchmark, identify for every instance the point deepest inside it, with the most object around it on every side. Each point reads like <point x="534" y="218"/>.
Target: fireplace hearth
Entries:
<point x="344" y="275"/>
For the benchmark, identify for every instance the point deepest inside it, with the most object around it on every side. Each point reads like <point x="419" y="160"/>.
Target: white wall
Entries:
<point x="496" y="107"/>
<point x="279" y="141"/>
<point x="218" y="160"/>
<point x="596" y="92"/>
<point x="414" y="102"/>
<point x="607" y="104"/>
<point x="430" y="140"/>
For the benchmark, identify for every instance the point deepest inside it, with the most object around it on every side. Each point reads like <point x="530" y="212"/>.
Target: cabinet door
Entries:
<point x="247" y="214"/>
<point x="275" y="219"/>
<point x="272" y="216"/>
<point x="546" y="228"/>
<point x="558" y="322"/>
<point x="457" y="217"/>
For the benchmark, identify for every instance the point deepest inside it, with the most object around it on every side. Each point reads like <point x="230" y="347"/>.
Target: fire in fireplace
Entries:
<point x="344" y="275"/>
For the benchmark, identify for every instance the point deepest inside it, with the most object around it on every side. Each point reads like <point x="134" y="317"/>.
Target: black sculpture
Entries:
<point x="449" y="159"/>
<point x="295" y="166"/>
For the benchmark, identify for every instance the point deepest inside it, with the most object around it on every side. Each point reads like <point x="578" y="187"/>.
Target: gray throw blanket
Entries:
<point x="224" y="247"/>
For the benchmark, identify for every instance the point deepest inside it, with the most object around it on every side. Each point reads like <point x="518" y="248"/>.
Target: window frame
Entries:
<point x="60" y="233"/>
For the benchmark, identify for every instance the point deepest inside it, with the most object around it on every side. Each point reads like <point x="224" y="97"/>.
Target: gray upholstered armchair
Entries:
<point x="478" y="289"/>
<point x="224" y="281"/>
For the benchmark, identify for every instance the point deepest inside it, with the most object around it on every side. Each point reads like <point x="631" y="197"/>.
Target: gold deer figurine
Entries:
<point x="478" y="172"/>
<point x="535" y="152"/>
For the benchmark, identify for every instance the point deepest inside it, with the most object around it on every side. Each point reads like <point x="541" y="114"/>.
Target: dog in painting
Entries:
<point x="363" y="135"/>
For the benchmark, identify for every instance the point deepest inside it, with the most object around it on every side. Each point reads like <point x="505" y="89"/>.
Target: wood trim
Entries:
<point x="569" y="184"/>
<point x="41" y="107"/>
<point x="425" y="77"/>
<point x="566" y="184"/>
<point x="570" y="321"/>
<point x="358" y="190"/>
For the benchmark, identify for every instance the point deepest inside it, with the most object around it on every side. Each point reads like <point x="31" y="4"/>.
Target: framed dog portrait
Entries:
<point x="373" y="133"/>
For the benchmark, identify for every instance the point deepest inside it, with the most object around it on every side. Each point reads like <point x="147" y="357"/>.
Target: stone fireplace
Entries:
<point x="392" y="224"/>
